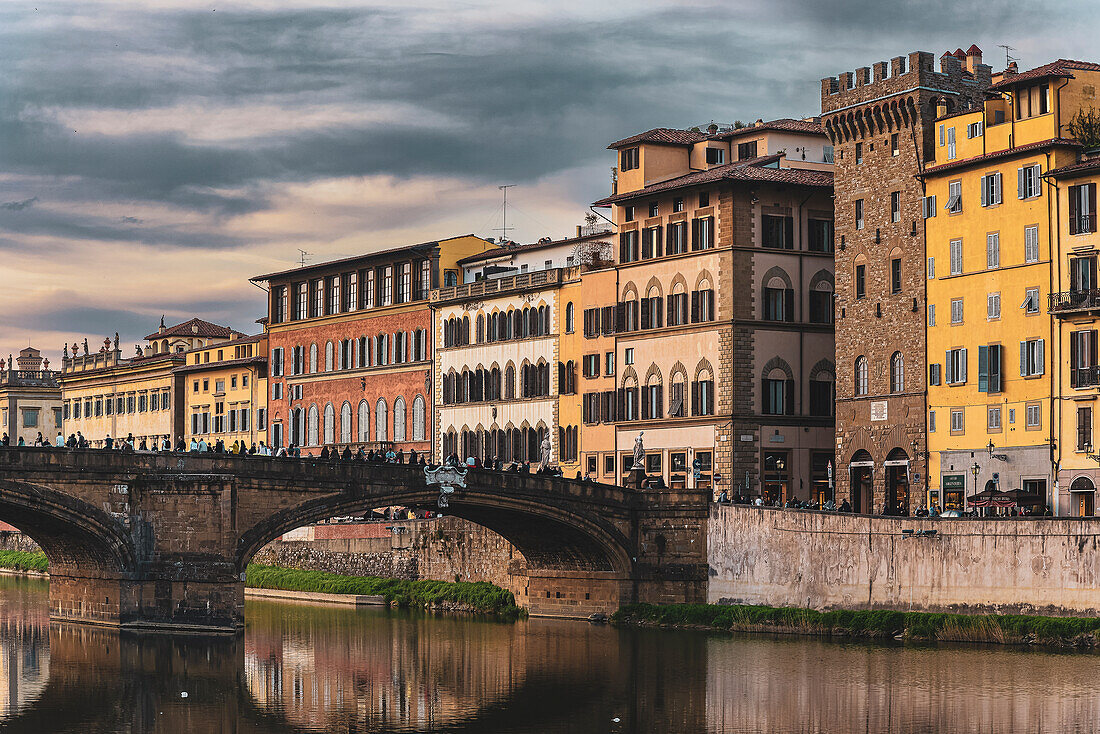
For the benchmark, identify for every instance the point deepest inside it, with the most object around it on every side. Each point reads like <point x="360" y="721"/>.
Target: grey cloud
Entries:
<point x="131" y="220"/>
<point x="18" y="206"/>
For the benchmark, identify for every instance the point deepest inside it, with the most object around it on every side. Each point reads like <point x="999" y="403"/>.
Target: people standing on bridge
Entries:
<point x="5" y="441"/>
<point x="108" y="443"/>
<point x="203" y="447"/>
<point x="412" y="456"/>
<point x="400" y="457"/>
<point x="324" y="453"/>
<point x="346" y="456"/>
<point x="59" y="442"/>
<point x="22" y="442"/>
<point x="143" y="446"/>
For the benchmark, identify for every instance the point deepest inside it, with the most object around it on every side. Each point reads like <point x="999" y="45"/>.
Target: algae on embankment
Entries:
<point x="872" y="624"/>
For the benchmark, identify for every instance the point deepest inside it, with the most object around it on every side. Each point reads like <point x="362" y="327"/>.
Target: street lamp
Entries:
<point x="976" y="470"/>
<point x="999" y="457"/>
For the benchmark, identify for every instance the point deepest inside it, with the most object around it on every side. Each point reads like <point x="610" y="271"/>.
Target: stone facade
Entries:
<point x="881" y="125"/>
<point x="838" y="561"/>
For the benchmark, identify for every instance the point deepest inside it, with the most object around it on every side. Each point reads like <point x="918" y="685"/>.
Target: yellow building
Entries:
<point x="993" y="257"/>
<point x="224" y="392"/>
<point x="104" y="394"/>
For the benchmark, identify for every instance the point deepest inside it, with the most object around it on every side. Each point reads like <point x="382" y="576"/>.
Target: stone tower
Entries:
<point x="881" y="123"/>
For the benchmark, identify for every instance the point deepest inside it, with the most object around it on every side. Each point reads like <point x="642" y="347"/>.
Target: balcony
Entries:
<point x="1068" y="302"/>
<point x="499" y="286"/>
<point x="1084" y="376"/>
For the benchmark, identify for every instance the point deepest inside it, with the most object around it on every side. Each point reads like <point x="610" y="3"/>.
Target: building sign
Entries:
<point x="878" y="410"/>
<point x="953" y="482"/>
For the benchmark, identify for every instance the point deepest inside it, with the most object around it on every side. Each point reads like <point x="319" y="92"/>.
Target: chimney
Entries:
<point x="941" y="107"/>
<point x="1012" y="69"/>
<point x="712" y="129"/>
<point x="973" y="57"/>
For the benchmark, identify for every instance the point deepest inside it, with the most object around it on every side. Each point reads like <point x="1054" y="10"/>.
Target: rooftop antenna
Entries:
<point x="1009" y="58"/>
<point x="302" y="254"/>
<point x="504" y="229"/>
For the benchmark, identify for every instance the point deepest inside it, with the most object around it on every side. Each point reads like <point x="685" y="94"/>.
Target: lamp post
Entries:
<point x="976" y="470"/>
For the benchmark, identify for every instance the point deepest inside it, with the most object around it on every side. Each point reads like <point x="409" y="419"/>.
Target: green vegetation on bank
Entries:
<point x="479" y="597"/>
<point x="917" y="626"/>
<point x="22" y="560"/>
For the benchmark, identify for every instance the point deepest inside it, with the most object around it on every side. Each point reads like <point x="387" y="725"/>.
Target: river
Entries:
<point x="303" y="668"/>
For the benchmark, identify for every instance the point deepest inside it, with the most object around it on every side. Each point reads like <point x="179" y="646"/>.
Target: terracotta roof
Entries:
<point x="1061" y="67"/>
<point x="664" y="135"/>
<point x="194" y="327"/>
<point x="750" y="170"/>
<point x="1002" y="154"/>
<point x="259" y="359"/>
<point x="508" y="250"/>
<point x="353" y="258"/>
<point x="243" y="339"/>
<point x="785" y="124"/>
<point x="1076" y="169"/>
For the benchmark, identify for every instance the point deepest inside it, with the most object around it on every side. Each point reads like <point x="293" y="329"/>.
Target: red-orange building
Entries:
<point x="350" y="352"/>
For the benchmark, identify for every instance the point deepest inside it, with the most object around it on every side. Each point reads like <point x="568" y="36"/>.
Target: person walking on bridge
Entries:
<point x="59" y="442"/>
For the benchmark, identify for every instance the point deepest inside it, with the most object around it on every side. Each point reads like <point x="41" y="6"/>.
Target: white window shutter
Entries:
<point x="1039" y="366"/>
<point x="985" y="190"/>
<point x="962" y="365"/>
<point x="997" y="188"/>
<point x="1020" y="179"/>
<point x="1023" y="359"/>
<point x="948" y="370"/>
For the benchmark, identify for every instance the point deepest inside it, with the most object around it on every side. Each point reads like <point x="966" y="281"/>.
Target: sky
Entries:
<point x="154" y="156"/>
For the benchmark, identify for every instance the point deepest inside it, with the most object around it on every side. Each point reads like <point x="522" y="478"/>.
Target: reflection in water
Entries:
<point x="310" y="668"/>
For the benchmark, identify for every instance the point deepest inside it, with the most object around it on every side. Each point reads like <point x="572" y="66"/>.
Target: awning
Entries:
<point x="896" y="462"/>
<point x="862" y="464"/>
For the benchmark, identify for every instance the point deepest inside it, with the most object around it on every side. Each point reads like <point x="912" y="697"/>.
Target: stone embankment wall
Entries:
<point x="442" y="549"/>
<point x="828" y="561"/>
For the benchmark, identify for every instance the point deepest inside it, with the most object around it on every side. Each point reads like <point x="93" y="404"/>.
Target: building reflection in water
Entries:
<point x="311" y="668"/>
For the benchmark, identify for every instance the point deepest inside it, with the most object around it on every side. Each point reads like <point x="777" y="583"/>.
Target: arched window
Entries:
<point x="312" y="357"/>
<point x="653" y="397"/>
<point x="419" y="418"/>
<point x="510" y="382"/>
<point x="380" y="420"/>
<point x="399" y="419"/>
<point x="330" y="424"/>
<point x="480" y="328"/>
<point x="381" y="350"/>
<point x="569" y="318"/>
<point x="897" y="373"/>
<point x="312" y="435"/>
<point x="364" y="421"/>
<point x="345" y="423"/>
<point x="464" y="337"/>
<point x="328" y="356"/>
<point x="861" y="376"/>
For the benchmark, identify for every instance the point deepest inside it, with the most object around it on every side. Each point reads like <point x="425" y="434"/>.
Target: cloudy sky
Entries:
<point x="155" y="155"/>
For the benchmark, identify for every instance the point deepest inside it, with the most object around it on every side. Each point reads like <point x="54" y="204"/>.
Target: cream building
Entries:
<point x="224" y="393"/>
<point x="104" y="394"/>
<point x="30" y="398"/>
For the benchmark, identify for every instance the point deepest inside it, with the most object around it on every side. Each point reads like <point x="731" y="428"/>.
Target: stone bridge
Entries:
<point x="163" y="540"/>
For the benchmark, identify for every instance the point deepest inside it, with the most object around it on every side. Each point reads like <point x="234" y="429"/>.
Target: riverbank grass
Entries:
<point x="478" y="597"/>
<point x="871" y="624"/>
<point x="23" y="561"/>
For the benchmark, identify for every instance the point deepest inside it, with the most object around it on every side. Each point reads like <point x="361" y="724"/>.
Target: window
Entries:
<point x="628" y="159"/>
<point x="278" y="304"/>
<point x="821" y="235"/>
<point x="931" y="314"/>
<point x="1031" y="357"/>
<point x="702" y="395"/>
<point x="702" y="233"/>
<point x="277" y="362"/>
<point x="974" y="130"/>
<point x="895" y="206"/>
<point x="991" y="189"/>
<point x="628" y="213"/>
<point x="821" y="304"/>
<point x="957" y="424"/>
<point x="404" y="282"/>
<point x="950" y="143"/>
<point x="678" y="204"/>
<point x="897" y="373"/>
<point x="1034" y="416"/>
<point x="368" y="288"/>
<point x="954" y="197"/>
<point x="895" y="275"/>
<point x="425" y="283"/>
<point x="704" y="199"/>
<point x="590" y="365"/>
<point x="778" y="303"/>
<point x="333" y="306"/>
<point x="894" y="145"/>
<point x="955" y="250"/>
<point x="677" y="238"/>
<point x="859" y="212"/>
<point x="714" y="156"/>
<point x="931" y="421"/>
<point x="778" y="232"/>
<point x="746" y="150"/>
<point x="302" y="301"/>
<point x="628" y="356"/>
<point x="1031" y="244"/>
<point x="934" y="374"/>
<point x="1084" y="429"/>
<point x="931" y="268"/>
<point x="955" y="367"/>
<point x="1031" y="301"/>
<point x="351" y="291"/>
<point x="387" y="286"/>
<point x="860" y="382"/>
<point x="317" y="306"/>
<point x="628" y="246"/>
<point x="859" y="153"/>
<point x="651" y="243"/>
<point x="993" y="418"/>
<point x="822" y="395"/>
<point x="569" y="318"/>
<point x="778" y="396"/>
<point x="993" y="306"/>
<point x="928" y="206"/>
<point x="1027" y="182"/>
<point x="993" y="250"/>
<point x="609" y="364"/>
<point x="861" y="281"/>
<point x="990" y="361"/>
<point x="956" y="310"/>
<point x="1083" y="358"/>
<point x="1082" y="208"/>
<point x="654" y="209"/>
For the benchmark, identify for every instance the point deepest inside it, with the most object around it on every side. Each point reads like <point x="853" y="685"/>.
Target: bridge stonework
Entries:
<point x="162" y="540"/>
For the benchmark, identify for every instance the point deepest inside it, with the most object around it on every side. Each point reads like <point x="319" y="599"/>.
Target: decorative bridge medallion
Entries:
<point x="449" y="478"/>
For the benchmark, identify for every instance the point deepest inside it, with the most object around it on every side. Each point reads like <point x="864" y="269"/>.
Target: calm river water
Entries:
<point x="308" y="668"/>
